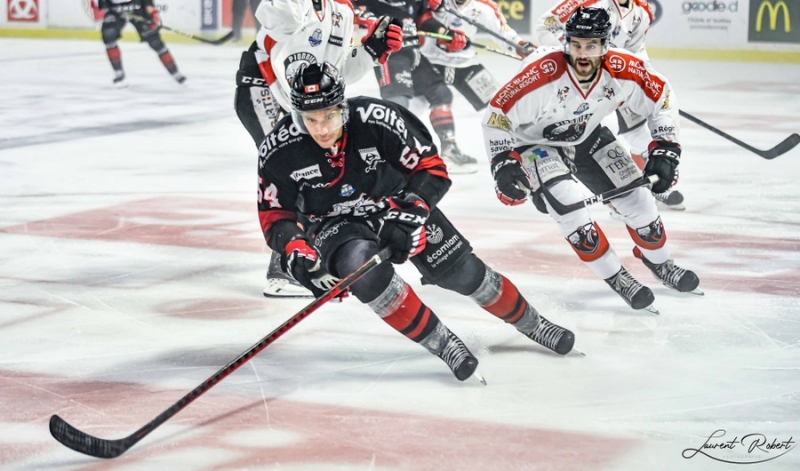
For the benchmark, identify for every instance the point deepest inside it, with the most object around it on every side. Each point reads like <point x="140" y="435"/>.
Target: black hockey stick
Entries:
<point x="484" y="29"/>
<point x="603" y="198"/>
<point x="785" y="146"/>
<point x="215" y="42"/>
<point x="84" y="443"/>
<point x="445" y="37"/>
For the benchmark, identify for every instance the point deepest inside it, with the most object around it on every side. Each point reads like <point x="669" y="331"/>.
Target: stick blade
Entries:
<point x="84" y="443"/>
<point x="788" y="144"/>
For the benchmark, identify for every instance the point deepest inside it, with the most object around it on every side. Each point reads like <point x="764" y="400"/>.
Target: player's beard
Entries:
<point x="585" y="68"/>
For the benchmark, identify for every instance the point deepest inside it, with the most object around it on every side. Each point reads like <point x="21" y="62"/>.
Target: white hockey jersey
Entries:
<point x="628" y="25"/>
<point x="545" y="104"/>
<point x="293" y="33"/>
<point x="483" y="12"/>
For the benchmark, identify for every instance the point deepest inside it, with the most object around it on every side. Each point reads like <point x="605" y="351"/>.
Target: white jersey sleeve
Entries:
<point x="282" y="18"/>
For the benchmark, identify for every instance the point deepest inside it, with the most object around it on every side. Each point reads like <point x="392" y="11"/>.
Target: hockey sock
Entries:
<point x="442" y="121"/>
<point x="115" y="56"/>
<point x="500" y="297"/>
<point x="400" y="307"/>
<point x="169" y="62"/>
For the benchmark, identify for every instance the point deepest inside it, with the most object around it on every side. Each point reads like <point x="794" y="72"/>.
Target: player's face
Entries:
<point x="324" y="126"/>
<point x="585" y="56"/>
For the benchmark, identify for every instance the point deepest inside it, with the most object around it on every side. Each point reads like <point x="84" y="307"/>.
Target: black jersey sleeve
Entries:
<point x="411" y="150"/>
<point x="277" y="205"/>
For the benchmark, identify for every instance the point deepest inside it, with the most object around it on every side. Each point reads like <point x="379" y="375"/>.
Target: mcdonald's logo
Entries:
<point x="773" y="10"/>
<point x="771" y="21"/>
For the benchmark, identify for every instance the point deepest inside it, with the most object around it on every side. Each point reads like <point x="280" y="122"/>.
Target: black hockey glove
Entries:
<point x="403" y="227"/>
<point x="662" y="160"/>
<point x="302" y="261"/>
<point x="383" y="37"/>
<point x="510" y="180"/>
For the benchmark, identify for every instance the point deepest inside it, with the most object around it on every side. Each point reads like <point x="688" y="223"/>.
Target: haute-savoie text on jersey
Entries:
<point x="545" y="104"/>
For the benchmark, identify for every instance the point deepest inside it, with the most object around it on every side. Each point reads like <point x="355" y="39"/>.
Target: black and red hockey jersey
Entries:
<point x="384" y="149"/>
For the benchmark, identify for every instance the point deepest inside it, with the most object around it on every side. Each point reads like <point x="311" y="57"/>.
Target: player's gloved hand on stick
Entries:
<point x="302" y="261"/>
<point x="662" y="160"/>
<point x="383" y="37"/>
<point x="458" y="41"/>
<point x="526" y="48"/>
<point x="403" y="227"/>
<point x="510" y="180"/>
<point x="155" y="19"/>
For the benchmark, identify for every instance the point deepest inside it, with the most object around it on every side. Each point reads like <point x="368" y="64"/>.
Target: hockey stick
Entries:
<point x="84" y="443"/>
<point x="215" y="42"/>
<point x="484" y="29"/>
<point x="603" y="198"/>
<point x="445" y="37"/>
<point x="783" y="147"/>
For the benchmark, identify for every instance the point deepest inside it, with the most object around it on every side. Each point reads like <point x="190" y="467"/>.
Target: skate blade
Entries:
<point x="651" y="309"/>
<point x="577" y="352"/>
<point x="696" y="292"/>
<point x="284" y="289"/>
<point x="477" y="376"/>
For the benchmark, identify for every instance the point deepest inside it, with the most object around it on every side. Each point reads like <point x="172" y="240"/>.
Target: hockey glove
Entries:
<point x="457" y="42"/>
<point x="155" y="19"/>
<point x="303" y="263"/>
<point x="403" y="227"/>
<point x="510" y="180"/>
<point x="526" y="48"/>
<point x="434" y="5"/>
<point x="663" y="161"/>
<point x="383" y="37"/>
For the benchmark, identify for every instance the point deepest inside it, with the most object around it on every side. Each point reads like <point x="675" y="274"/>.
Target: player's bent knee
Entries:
<point x="466" y="278"/>
<point x="350" y="256"/>
<point x="439" y="95"/>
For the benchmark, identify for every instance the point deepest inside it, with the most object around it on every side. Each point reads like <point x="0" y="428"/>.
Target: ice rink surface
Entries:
<point x="131" y="269"/>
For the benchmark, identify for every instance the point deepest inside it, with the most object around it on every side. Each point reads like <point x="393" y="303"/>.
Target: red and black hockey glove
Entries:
<point x="526" y="48"/>
<point x="302" y="262"/>
<point x="662" y="160"/>
<point x="510" y="180"/>
<point x="434" y="5"/>
<point x="458" y="41"/>
<point x="403" y="227"/>
<point x="155" y="19"/>
<point x="383" y="37"/>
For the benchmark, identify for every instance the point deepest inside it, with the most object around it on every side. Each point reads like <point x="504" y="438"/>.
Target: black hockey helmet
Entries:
<point x="589" y="23"/>
<point x="316" y="87"/>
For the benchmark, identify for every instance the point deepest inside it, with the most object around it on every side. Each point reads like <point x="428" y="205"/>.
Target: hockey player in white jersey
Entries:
<point x="293" y="33"/>
<point x="544" y="127"/>
<point x="630" y="20"/>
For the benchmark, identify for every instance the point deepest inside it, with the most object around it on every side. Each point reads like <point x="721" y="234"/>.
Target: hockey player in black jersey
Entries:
<point x="145" y="18"/>
<point x="366" y="174"/>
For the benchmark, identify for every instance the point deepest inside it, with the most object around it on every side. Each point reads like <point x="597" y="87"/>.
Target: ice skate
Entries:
<point x="457" y="162"/>
<point x="119" y="79"/>
<point x="445" y="345"/>
<point x="545" y="333"/>
<point x="179" y="77"/>
<point x="281" y="285"/>
<point x="634" y="293"/>
<point x="671" y="199"/>
<point x="673" y="276"/>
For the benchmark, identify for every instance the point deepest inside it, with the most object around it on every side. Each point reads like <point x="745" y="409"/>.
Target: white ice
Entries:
<point x="131" y="269"/>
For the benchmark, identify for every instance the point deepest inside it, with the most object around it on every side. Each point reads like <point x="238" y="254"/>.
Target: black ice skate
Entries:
<point x="634" y="293"/>
<point x="540" y="330"/>
<point x="119" y="79"/>
<point x="457" y="162"/>
<point x="673" y="276"/>
<point x="672" y="199"/>
<point x="280" y="284"/>
<point x="445" y="345"/>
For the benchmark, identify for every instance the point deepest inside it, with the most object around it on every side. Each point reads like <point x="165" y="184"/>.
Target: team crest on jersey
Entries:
<point x="608" y="92"/>
<point x="562" y="94"/>
<point x="434" y="233"/>
<point x="294" y="61"/>
<point x="316" y="38"/>
<point x="347" y="190"/>
<point x="372" y="158"/>
<point x="336" y="18"/>
<point x="584" y="106"/>
<point x="567" y="130"/>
